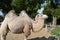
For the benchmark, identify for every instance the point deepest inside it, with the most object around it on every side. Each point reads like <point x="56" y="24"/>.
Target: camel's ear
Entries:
<point x="36" y="18"/>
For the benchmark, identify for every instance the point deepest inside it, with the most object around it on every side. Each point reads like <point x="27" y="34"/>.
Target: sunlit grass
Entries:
<point x="56" y="31"/>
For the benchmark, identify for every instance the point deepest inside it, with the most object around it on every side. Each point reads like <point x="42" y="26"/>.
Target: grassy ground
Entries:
<point x="56" y="31"/>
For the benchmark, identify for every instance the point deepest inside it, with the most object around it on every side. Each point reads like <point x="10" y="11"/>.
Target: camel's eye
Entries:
<point x="41" y="15"/>
<point x="37" y="15"/>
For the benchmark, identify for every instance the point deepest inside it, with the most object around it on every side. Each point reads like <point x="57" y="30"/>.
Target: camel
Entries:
<point x="21" y="24"/>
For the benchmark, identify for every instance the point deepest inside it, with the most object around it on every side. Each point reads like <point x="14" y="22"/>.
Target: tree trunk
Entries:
<point x="54" y="21"/>
<point x="57" y="37"/>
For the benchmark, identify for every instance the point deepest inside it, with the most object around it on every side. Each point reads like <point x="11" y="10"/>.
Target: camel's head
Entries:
<point x="41" y="16"/>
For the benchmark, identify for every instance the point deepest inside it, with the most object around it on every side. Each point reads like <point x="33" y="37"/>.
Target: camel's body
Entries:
<point x="18" y="24"/>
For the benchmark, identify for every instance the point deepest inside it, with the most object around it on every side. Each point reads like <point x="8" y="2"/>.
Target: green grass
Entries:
<point x="56" y="31"/>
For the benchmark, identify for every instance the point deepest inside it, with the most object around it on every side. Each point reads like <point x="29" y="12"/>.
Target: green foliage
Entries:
<point x="31" y="6"/>
<point x="56" y="31"/>
<point x="57" y="12"/>
<point x="5" y="5"/>
<point x="50" y="10"/>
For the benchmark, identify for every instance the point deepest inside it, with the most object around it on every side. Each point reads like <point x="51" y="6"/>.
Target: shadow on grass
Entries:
<point x="44" y="38"/>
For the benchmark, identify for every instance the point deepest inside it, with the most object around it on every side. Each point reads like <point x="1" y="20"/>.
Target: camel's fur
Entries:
<point x="20" y="24"/>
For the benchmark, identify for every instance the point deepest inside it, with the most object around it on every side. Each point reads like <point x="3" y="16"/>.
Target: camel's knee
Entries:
<point x="3" y="36"/>
<point x="3" y="33"/>
<point x="27" y="33"/>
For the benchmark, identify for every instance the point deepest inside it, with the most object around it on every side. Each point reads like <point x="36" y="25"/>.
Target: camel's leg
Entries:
<point x="4" y="31"/>
<point x="27" y="31"/>
<point x="25" y="38"/>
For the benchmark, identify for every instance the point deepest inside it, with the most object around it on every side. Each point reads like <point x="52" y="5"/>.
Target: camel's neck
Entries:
<point x="38" y="24"/>
<point x="41" y="22"/>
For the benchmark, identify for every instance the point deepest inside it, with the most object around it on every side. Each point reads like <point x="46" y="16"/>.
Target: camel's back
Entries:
<point x="17" y="23"/>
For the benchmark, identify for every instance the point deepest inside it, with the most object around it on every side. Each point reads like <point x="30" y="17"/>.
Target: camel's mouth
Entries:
<point x="44" y="16"/>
